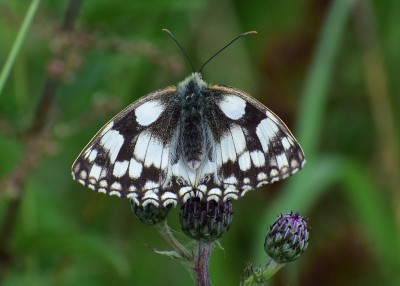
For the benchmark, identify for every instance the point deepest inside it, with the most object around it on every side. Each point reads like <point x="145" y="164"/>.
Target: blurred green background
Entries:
<point x="329" y="69"/>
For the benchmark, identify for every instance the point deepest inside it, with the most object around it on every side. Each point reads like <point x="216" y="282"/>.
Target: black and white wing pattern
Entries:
<point x="253" y="146"/>
<point x="193" y="140"/>
<point x="130" y="156"/>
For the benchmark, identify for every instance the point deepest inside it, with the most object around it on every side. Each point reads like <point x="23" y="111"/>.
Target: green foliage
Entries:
<point x="329" y="71"/>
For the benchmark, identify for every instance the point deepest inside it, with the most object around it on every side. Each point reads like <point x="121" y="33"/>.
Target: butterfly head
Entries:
<point x="193" y="84"/>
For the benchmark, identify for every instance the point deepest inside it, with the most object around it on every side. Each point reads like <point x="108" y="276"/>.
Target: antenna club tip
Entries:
<point x="166" y="30"/>
<point x="250" y="33"/>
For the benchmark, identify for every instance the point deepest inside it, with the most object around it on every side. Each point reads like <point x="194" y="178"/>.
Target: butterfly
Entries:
<point x="195" y="139"/>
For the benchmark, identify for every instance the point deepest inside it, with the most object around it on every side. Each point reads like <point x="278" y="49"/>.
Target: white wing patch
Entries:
<point x="258" y="158"/>
<point x="228" y="148"/>
<point x="154" y="152"/>
<point x="135" y="168"/>
<point x="141" y="145"/>
<point x="95" y="172"/>
<point x="120" y="168"/>
<point x="92" y="155"/>
<point x="149" y="112"/>
<point x="112" y="141"/>
<point x="232" y="106"/>
<point x="282" y="161"/>
<point x="244" y="161"/>
<point x="239" y="139"/>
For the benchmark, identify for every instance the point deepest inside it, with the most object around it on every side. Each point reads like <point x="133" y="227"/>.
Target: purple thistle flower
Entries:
<point x="150" y="214"/>
<point x="205" y="221"/>
<point x="287" y="238"/>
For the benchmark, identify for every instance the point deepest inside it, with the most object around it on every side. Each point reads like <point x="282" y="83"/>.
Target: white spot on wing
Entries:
<point x="285" y="143"/>
<point x="83" y="174"/>
<point x="266" y="132"/>
<point x="274" y="173"/>
<point x="261" y="176"/>
<point x="135" y="169"/>
<point x="168" y="195"/>
<point x="214" y="191"/>
<point x="238" y="138"/>
<point x="103" y="173"/>
<point x="95" y="172"/>
<point x="149" y="185"/>
<point x="141" y="145"/>
<point x="133" y="196"/>
<point x="103" y="184"/>
<point x="272" y="126"/>
<point x="258" y="158"/>
<point x="230" y="189"/>
<point x="232" y="106"/>
<point x="116" y="186"/>
<point x="112" y="141"/>
<point x="150" y="195"/>
<point x="282" y="161"/>
<point x="150" y="201"/>
<point x="115" y="193"/>
<point x="149" y="112"/>
<point x="184" y="191"/>
<point x="202" y="188"/>
<point x="262" y="135"/>
<point x="213" y="198"/>
<point x="120" y="168"/>
<point x="231" y="180"/>
<point x="154" y="153"/>
<point x="244" y="161"/>
<point x="92" y="155"/>
<point x="228" y="148"/>
<point x="294" y="164"/>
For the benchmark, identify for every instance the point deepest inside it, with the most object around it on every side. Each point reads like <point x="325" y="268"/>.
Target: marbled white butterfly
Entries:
<point x="195" y="139"/>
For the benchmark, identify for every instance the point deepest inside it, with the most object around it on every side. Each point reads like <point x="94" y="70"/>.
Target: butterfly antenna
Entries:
<point x="173" y="38"/>
<point x="227" y="45"/>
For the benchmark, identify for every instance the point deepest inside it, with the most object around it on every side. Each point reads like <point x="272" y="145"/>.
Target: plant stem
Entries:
<point x="260" y="276"/>
<point x="165" y="232"/>
<point x="18" y="42"/>
<point x="201" y="264"/>
<point x="34" y="136"/>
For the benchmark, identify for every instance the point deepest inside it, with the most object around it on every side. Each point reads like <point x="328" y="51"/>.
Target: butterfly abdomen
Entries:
<point x="193" y="102"/>
<point x="192" y="138"/>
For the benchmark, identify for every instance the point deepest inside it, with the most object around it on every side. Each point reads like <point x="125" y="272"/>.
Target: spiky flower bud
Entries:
<point x="150" y="214"/>
<point x="205" y="221"/>
<point x="287" y="238"/>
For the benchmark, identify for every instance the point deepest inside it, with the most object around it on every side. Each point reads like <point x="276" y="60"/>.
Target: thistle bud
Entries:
<point x="150" y="214"/>
<point x="205" y="221"/>
<point x="287" y="238"/>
